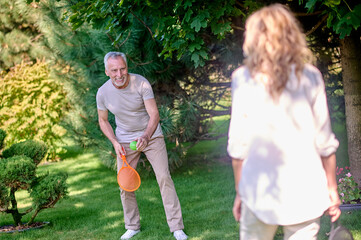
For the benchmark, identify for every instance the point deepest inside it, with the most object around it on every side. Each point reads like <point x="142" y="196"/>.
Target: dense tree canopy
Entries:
<point x="187" y="49"/>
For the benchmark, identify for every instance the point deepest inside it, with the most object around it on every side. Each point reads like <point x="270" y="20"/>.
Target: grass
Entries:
<point x="93" y="210"/>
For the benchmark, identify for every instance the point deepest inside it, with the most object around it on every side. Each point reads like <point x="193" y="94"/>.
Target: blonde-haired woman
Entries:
<point x="280" y="137"/>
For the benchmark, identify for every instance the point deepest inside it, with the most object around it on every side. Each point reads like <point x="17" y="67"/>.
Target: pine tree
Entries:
<point x="182" y="93"/>
<point x="20" y="38"/>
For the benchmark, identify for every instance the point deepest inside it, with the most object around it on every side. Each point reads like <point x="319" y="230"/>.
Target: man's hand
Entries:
<point x="237" y="208"/>
<point x="119" y="150"/>
<point x="142" y="142"/>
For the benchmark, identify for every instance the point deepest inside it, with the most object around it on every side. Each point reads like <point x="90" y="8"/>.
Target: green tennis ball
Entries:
<point x="133" y="145"/>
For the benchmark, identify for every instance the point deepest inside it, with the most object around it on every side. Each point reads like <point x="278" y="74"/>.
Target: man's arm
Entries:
<point x="152" y="110"/>
<point x="109" y="132"/>
<point x="237" y="172"/>
<point x="329" y="164"/>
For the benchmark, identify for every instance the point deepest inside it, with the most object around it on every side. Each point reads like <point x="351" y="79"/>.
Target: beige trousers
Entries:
<point x="156" y="154"/>
<point x="252" y="228"/>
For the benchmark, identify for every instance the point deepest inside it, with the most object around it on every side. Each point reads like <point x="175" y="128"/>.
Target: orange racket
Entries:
<point x="128" y="178"/>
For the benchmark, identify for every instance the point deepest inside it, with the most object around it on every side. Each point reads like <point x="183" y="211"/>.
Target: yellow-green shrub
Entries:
<point x="32" y="105"/>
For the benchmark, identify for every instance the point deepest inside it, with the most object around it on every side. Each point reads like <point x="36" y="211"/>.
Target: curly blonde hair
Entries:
<point x="273" y="43"/>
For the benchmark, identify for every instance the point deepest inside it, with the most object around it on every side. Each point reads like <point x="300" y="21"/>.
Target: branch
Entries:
<point x="216" y="112"/>
<point x="139" y="64"/>
<point x="237" y="27"/>
<point x="301" y="14"/>
<point x="49" y="205"/>
<point x="126" y="39"/>
<point x="317" y="25"/>
<point x="145" y="25"/>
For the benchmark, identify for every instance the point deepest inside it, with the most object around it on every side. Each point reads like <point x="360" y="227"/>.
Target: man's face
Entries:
<point x="117" y="71"/>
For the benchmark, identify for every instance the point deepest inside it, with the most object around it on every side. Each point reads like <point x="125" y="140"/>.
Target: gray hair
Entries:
<point x="114" y="55"/>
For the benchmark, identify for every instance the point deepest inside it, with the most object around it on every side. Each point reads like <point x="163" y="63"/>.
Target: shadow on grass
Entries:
<point x="71" y="151"/>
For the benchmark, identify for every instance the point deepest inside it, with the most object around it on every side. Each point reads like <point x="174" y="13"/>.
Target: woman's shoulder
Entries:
<point x="241" y="76"/>
<point x="240" y="72"/>
<point x="313" y="74"/>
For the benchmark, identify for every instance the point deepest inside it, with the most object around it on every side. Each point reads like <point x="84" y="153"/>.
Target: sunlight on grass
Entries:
<point x="93" y="210"/>
<point x="23" y="198"/>
<point x="79" y="205"/>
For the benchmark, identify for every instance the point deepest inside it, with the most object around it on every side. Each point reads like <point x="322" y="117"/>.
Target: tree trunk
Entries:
<point x="351" y="74"/>
<point x="14" y="205"/>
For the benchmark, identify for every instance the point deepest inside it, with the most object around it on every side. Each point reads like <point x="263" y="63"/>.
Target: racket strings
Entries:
<point x="128" y="179"/>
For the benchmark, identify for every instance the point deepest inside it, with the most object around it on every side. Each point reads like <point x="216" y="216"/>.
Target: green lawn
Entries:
<point x="93" y="210"/>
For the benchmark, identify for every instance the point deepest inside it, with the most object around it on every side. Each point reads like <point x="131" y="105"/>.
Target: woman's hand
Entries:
<point x="334" y="210"/>
<point x="237" y="208"/>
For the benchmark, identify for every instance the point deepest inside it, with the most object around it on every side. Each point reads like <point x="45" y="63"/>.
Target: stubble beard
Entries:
<point x="123" y="81"/>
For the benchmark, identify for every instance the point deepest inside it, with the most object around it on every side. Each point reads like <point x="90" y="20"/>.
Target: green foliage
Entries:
<point x="20" y="39"/>
<point x="2" y="138"/>
<point x="178" y="25"/>
<point x="48" y="190"/>
<point x="4" y="197"/>
<point x="343" y="16"/>
<point x="33" y="104"/>
<point x="80" y="52"/>
<point x="30" y="148"/>
<point x="348" y="189"/>
<point x="188" y="113"/>
<point x="17" y="172"/>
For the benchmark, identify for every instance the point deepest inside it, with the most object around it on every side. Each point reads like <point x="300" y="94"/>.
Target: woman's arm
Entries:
<point x="237" y="172"/>
<point x="329" y="164"/>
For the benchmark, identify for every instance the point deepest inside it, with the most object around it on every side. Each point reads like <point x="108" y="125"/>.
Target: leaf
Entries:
<point x="203" y="54"/>
<point x="311" y="4"/>
<point x="221" y="28"/>
<point x="178" y="43"/>
<point x="357" y="10"/>
<point x="188" y="15"/>
<point x="198" y="23"/>
<point x="194" y="46"/>
<point x="188" y="3"/>
<point x="329" y="20"/>
<point x="195" y="57"/>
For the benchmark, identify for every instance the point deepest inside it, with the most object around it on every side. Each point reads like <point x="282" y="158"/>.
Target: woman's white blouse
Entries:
<point x="281" y="142"/>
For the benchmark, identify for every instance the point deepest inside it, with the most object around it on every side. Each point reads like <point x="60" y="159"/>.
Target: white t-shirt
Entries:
<point x="127" y="105"/>
<point x="283" y="181"/>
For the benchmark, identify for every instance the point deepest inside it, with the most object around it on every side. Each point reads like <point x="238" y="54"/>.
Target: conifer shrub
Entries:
<point x="30" y="148"/>
<point x="17" y="172"/>
<point x="18" y="165"/>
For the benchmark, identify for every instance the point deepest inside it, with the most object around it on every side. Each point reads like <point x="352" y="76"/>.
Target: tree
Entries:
<point x="20" y="39"/>
<point x="18" y="165"/>
<point x="81" y="51"/>
<point x="199" y="35"/>
<point x="344" y="18"/>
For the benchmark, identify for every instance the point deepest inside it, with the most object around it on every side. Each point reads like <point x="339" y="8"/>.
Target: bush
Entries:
<point x="18" y="171"/>
<point x="348" y="189"/>
<point x="30" y="148"/>
<point x="2" y="138"/>
<point x="49" y="190"/>
<point x="4" y="197"/>
<point x="33" y="103"/>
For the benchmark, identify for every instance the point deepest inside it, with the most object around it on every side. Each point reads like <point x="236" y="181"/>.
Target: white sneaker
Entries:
<point x="129" y="234"/>
<point x="180" y="235"/>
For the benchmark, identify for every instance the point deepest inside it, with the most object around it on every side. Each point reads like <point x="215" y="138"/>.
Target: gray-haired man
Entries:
<point x="130" y="98"/>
